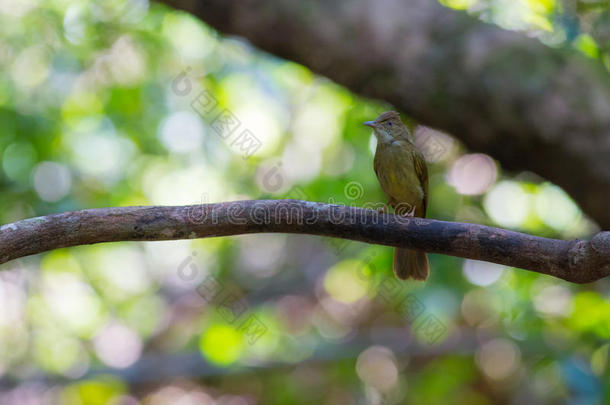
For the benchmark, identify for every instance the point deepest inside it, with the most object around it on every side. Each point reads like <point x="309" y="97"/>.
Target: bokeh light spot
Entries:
<point x="31" y="67"/>
<point x="221" y="344"/>
<point x="498" y="359"/>
<point x="18" y="159"/>
<point x="555" y="208"/>
<point x="347" y="281"/>
<point x="482" y="273"/>
<point x="473" y="174"/>
<point x="553" y="300"/>
<point x="117" y="345"/>
<point x="52" y="181"/>
<point x="507" y="204"/>
<point x="376" y="366"/>
<point x="72" y="302"/>
<point x="182" y="132"/>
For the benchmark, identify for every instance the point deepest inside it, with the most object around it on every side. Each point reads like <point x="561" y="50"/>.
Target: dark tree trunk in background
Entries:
<point x="529" y="106"/>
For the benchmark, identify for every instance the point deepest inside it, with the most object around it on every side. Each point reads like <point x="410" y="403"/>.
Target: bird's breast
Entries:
<point x="395" y="168"/>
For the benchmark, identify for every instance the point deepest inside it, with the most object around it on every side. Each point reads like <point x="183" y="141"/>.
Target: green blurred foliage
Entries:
<point x="100" y="105"/>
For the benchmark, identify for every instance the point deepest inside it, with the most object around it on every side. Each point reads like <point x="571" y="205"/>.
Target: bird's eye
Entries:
<point x="389" y="124"/>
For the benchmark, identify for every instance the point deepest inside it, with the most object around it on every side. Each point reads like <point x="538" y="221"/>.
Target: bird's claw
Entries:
<point x="410" y="213"/>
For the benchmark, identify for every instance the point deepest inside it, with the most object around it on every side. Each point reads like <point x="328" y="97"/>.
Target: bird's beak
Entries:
<point x="369" y="124"/>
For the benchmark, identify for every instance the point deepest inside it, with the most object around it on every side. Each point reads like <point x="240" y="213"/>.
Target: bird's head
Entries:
<point x="388" y="127"/>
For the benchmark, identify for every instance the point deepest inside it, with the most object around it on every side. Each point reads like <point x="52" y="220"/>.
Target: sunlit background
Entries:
<point x="114" y="103"/>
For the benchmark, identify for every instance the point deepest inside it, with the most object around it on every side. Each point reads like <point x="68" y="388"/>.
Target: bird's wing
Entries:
<point x="376" y="164"/>
<point x="419" y="162"/>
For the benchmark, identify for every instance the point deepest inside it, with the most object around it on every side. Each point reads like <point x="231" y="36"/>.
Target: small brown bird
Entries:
<point x="403" y="175"/>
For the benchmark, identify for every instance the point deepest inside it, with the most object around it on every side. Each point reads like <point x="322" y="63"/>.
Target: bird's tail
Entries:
<point x="411" y="264"/>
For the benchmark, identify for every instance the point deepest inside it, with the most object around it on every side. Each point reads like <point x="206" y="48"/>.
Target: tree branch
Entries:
<point x="576" y="260"/>
<point x="527" y="105"/>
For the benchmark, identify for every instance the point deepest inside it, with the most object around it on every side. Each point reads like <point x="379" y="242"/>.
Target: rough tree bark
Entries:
<point x="576" y="261"/>
<point x="529" y="106"/>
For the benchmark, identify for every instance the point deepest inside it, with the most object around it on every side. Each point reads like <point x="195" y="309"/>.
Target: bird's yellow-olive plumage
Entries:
<point x="403" y="176"/>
